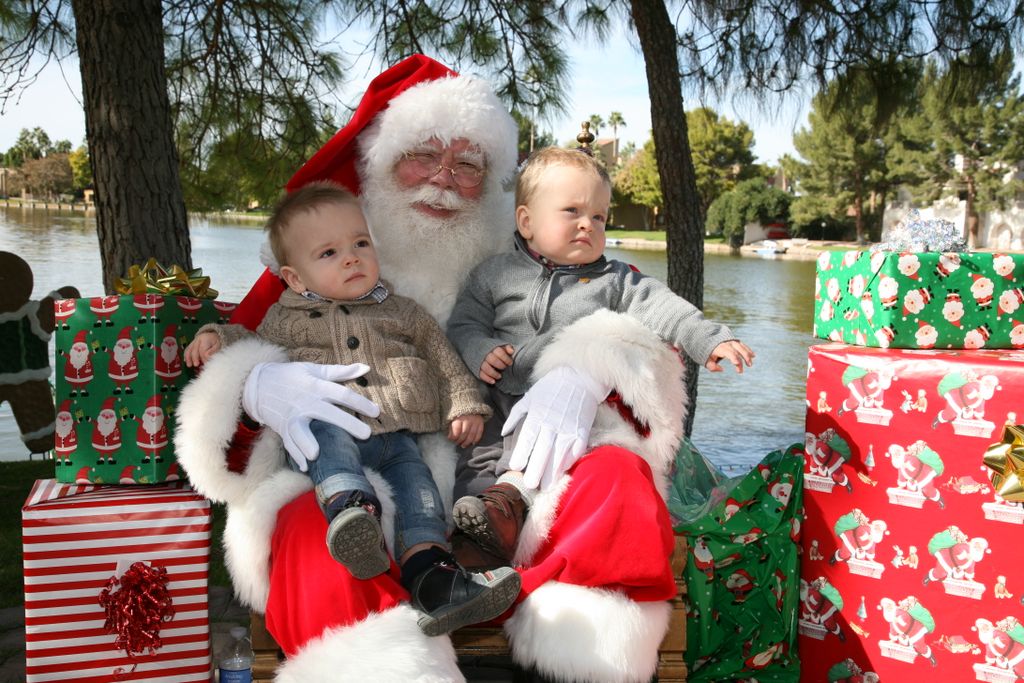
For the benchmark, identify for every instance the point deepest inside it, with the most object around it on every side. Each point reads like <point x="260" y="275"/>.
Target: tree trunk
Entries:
<point x="971" y="218"/>
<point x="858" y="212"/>
<point x="140" y="211"/>
<point x="683" y="227"/>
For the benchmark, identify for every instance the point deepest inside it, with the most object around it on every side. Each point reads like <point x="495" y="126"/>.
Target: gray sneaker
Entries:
<point x="355" y="539"/>
<point x="451" y="597"/>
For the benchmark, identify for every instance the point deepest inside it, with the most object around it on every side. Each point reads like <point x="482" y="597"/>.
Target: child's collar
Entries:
<point x="545" y="261"/>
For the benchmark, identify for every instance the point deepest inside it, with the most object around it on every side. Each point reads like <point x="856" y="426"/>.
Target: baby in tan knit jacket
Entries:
<point x="337" y="311"/>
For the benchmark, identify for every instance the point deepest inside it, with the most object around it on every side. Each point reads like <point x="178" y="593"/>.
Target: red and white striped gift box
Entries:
<point x="77" y="537"/>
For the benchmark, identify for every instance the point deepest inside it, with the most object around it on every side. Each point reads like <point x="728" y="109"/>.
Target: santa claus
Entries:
<point x="78" y="366"/>
<point x="148" y="306"/>
<point x="594" y="555"/>
<point x="106" y="433"/>
<point x="167" y="364"/>
<point x="123" y="367"/>
<point x="151" y="434"/>
<point x="63" y="309"/>
<point x="65" y="438"/>
<point x="104" y="308"/>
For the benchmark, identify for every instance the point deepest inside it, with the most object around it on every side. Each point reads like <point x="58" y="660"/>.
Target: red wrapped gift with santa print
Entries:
<point x="912" y="562"/>
<point x="116" y="583"/>
<point x="119" y="368"/>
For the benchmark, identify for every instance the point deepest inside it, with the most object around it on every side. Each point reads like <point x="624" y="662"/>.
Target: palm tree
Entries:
<point x="615" y="120"/>
<point x="595" y="123"/>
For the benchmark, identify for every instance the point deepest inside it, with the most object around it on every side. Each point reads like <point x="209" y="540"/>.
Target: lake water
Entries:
<point x="767" y="303"/>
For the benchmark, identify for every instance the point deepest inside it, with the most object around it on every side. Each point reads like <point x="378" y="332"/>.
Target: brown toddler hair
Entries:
<point x="535" y="165"/>
<point x="306" y="198"/>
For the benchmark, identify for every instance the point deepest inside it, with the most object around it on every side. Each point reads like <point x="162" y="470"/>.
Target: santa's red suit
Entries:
<point x="594" y="554"/>
<point x="63" y="309"/>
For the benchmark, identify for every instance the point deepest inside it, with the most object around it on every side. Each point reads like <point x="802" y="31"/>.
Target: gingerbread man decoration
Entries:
<point x="25" y="329"/>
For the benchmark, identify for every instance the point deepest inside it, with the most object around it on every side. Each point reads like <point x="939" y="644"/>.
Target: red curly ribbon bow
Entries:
<point x="136" y="610"/>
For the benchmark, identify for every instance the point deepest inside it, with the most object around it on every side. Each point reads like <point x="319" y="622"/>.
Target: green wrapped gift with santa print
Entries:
<point x="920" y="300"/>
<point x="119" y="369"/>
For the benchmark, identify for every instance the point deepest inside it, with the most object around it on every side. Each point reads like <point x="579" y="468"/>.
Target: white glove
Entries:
<point x="559" y="411"/>
<point x="286" y="396"/>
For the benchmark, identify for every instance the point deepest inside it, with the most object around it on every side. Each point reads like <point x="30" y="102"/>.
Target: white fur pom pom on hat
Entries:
<point x="267" y="258"/>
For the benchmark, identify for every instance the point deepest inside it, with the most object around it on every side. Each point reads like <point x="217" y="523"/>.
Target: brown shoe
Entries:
<point x="493" y="519"/>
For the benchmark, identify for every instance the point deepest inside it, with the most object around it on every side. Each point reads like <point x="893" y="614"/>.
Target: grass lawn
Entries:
<point x="16" y="479"/>
<point x="649" y="235"/>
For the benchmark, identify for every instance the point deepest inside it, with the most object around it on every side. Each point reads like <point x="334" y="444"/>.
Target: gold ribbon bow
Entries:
<point x="153" y="278"/>
<point x="1006" y="460"/>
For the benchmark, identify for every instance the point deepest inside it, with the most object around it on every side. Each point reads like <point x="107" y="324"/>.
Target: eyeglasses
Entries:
<point x="426" y="165"/>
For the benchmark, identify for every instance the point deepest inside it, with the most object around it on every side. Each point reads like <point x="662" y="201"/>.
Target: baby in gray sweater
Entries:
<point x="514" y="303"/>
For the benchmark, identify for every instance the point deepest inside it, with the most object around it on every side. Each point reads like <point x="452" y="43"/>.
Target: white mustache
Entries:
<point x="438" y="197"/>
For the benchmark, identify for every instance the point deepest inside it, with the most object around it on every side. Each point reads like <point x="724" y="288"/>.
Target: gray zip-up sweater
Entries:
<point x="516" y="299"/>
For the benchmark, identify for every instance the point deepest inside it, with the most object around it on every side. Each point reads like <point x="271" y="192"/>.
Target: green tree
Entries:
<point x="638" y="181"/>
<point x="31" y="144"/>
<point x="722" y="153"/>
<point x="752" y="200"/>
<point x="596" y="123"/>
<point x="529" y="137"/>
<point x="970" y="133"/>
<point x="616" y="121"/>
<point x="81" y="169"/>
<point x="847" y="144"/>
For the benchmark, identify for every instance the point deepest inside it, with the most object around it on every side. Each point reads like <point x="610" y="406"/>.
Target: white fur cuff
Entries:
<point x="388" y="646"/>
<point x="587" y="635"/>
<point x="208" y="414"/>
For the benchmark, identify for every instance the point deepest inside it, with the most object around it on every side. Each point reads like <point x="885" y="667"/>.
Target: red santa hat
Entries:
<point x="108" y="404"/>
<point x="170" y="331"/>
<point x="79" y="338"/>
<point x="125" y="333"/>
<point x="65" y="407"/>
<point x="411" y="102"/>
<point x="154" y="401"/>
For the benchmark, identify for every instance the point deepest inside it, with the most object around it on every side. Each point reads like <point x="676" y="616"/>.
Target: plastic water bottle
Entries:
<point x="236" y="665"/>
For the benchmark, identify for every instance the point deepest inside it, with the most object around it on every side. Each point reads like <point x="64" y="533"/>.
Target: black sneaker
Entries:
<point x="451" y="597"/>
<point x="355" y="539"/>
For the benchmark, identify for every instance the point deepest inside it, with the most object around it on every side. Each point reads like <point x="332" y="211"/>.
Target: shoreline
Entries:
<point x="802" y="250"/>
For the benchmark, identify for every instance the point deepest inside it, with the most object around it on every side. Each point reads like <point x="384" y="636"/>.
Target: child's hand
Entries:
<point x="497" y="360"/>
<point x="735" y="351"/>
<point x="466" y="430"/>
<point x="201" y="349"/>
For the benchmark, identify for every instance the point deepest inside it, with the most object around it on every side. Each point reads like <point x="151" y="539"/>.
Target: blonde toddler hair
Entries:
<point x="533" y="169"/>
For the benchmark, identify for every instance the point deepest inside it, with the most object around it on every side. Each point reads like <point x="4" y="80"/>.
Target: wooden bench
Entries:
<point x="489" y="641"/>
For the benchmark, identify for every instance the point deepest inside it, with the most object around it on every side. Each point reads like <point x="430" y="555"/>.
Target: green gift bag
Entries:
<point x="743" y="570"/>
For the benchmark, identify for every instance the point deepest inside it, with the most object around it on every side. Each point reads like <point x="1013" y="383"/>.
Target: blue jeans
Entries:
<point x="419" y="515"/>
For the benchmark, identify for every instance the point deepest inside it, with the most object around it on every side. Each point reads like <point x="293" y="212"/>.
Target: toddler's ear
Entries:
<point x="292" y="279"/>
<point x="523" y="222"/>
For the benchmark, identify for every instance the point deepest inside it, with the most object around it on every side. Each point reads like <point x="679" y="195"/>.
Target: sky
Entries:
<point x="605" y="77"/>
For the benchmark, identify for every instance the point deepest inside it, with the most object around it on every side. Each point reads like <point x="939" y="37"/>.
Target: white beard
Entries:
<point x="106" y="421"/>
<point x="169" y="351"/>
<point x="78" y="355"/>
<point x="428" y="258"/>
<point x="123" y="352"/>
<point x="64" y="424"/>
<point x="152" y="423"/>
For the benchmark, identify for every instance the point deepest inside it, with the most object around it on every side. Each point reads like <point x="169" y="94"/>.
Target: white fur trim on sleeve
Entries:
<point x="618" y="351"/>
<point x="208" y="413"/>
<point x="587" y="635"/>
<point x="386" y="646"/>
